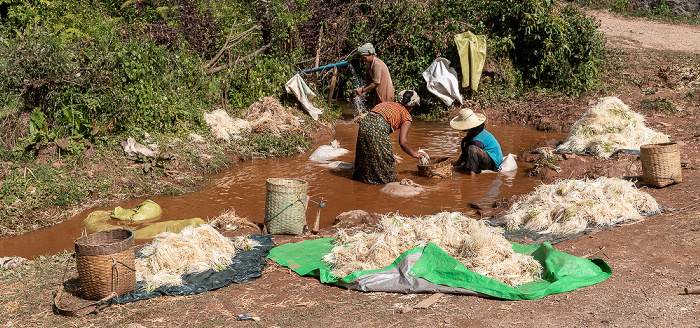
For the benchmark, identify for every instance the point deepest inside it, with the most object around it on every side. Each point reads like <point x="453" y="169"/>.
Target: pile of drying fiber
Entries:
<point x="228" y="220"/>
<point x="194" y="250"/>
<point x="481" y="248"/>
<point x="268" y="115"/>
<point x="224" y="127"/>
<point x="608" y="126"/>
<point x="570" y="206"/>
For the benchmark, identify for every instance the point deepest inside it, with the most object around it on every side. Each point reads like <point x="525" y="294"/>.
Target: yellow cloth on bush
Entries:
<point x="472" y="55"/>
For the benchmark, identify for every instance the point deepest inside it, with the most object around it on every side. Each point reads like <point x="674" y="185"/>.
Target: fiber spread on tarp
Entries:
<point x="561" y="272"/>
<point x="570" y="206"/>
<point x="481" y="248"/>
<point x="245" y="266"/>
<point x="608" y="126"/>
<point x="193" y="250"/>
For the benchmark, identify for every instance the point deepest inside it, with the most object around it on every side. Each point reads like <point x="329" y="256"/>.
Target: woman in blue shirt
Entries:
<point x="480" y="150"/>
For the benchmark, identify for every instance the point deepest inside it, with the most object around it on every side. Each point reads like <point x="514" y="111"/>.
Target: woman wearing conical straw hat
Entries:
<point x="480" y="150"/>
<point x="374" y="154"/>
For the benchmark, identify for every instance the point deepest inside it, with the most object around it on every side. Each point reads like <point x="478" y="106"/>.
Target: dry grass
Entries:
<point x="481" y="248"/>
<point x="571" y="206"/>
<point x="608" y="126"/>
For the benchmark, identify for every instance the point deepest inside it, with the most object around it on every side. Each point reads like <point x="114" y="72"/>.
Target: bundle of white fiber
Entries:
<point x="570" y="206"/>
<point x="223" y="126"/>
<point x="481" y="248"/>
<point x="608" y="126"/>
<point x="268" y="115"/>
<point x="171" y="255"/>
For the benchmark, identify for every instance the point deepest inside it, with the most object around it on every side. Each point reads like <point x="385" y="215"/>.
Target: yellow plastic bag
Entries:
<point x="472" y="55"/>
<point x="146" y="210"/>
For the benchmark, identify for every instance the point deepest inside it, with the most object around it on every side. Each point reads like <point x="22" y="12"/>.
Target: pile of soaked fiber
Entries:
<point x="223" y="126"/>
<point x="481" y="248"/>
<point x="193" y="250"/>
<point x="608" y="126"/>
<point x="570" y="206"/>
<point x="268" y="115"/>
<point x="228" y="220"/>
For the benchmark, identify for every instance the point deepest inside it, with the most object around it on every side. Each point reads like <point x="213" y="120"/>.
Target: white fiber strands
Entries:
<point x="481" y="248"/>
<point x="268" y="115"/>
<point x="608" y="126"/>
<point x="193" y="250"/>
<point x="570" y="206"/>
<point x="223" y="126"/>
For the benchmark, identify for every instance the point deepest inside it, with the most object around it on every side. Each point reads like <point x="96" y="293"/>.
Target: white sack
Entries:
<point x="131" y="147"/>
<point x="328" y="152"/>
<point x="509" y="163"/>
<point x="442" y="81"/>
<point x="302" y="91"/>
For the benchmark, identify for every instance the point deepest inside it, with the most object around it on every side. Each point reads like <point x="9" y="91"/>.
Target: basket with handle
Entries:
<point x="105" y="263"/>
<point x="661" y="164"/>
<point x="285" y="206"/>
<point x="440" y="167"/>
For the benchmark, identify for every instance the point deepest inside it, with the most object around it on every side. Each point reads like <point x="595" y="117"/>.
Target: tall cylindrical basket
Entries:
<point x="105" y="262"/>
<point x="285" y="206"/>
<point x="661" y="164"/>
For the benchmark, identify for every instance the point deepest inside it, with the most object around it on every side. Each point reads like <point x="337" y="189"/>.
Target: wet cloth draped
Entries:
<point x="374" y="155"/>
<point x="377" y="72"/>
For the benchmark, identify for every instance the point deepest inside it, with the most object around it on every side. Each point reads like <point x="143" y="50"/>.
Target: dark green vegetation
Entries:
<point x="77" y="78"/>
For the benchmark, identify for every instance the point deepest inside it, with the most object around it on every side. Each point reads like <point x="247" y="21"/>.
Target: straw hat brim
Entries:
<point x="471" y="122"/>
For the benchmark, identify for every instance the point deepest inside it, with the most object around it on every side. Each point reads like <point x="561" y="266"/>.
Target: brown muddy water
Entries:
<point x="243" y="186"/>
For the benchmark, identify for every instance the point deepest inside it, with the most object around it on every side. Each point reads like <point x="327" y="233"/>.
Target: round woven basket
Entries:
<point x="285" y="206"/>
<point x="661" y="164"/>
<point x="440" y="167"/>
<point x="105" y="262"/>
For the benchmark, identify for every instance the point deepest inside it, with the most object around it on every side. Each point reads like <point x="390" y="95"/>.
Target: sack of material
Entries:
<point x="442" y="81"/>
<point x="508" y="164"/>
<point x="328" y="152"/>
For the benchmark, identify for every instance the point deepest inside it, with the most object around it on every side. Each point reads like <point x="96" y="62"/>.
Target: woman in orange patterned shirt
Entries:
<point x="374" y="154"/>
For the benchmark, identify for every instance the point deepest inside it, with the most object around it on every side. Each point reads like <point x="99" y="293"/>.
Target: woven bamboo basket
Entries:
<point x="285" y="206"/>
<point x="661" y="164"/>
<point x="105" y="262"/>
<point x="440" y="167"/>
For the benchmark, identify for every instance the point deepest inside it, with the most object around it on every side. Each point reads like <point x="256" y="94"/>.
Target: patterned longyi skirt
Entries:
<point x="374" y="154"/>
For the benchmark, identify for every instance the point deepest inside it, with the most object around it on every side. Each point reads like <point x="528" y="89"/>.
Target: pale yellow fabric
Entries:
<point x="472" y="55"/>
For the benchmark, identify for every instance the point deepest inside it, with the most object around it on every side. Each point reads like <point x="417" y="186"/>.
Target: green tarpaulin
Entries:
<point x="561" y="272"/>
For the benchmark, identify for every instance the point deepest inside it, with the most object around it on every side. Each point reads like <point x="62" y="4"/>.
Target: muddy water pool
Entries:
<point x="242" y="187"/>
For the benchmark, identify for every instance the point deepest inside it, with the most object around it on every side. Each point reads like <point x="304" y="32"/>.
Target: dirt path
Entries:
<point x="644" y="33"/>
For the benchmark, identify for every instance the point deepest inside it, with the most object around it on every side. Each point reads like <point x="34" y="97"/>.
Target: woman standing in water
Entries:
<point x="374" y="154"/>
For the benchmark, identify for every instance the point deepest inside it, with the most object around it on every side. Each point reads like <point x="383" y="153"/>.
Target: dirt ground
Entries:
<point x="652" y="261"/>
